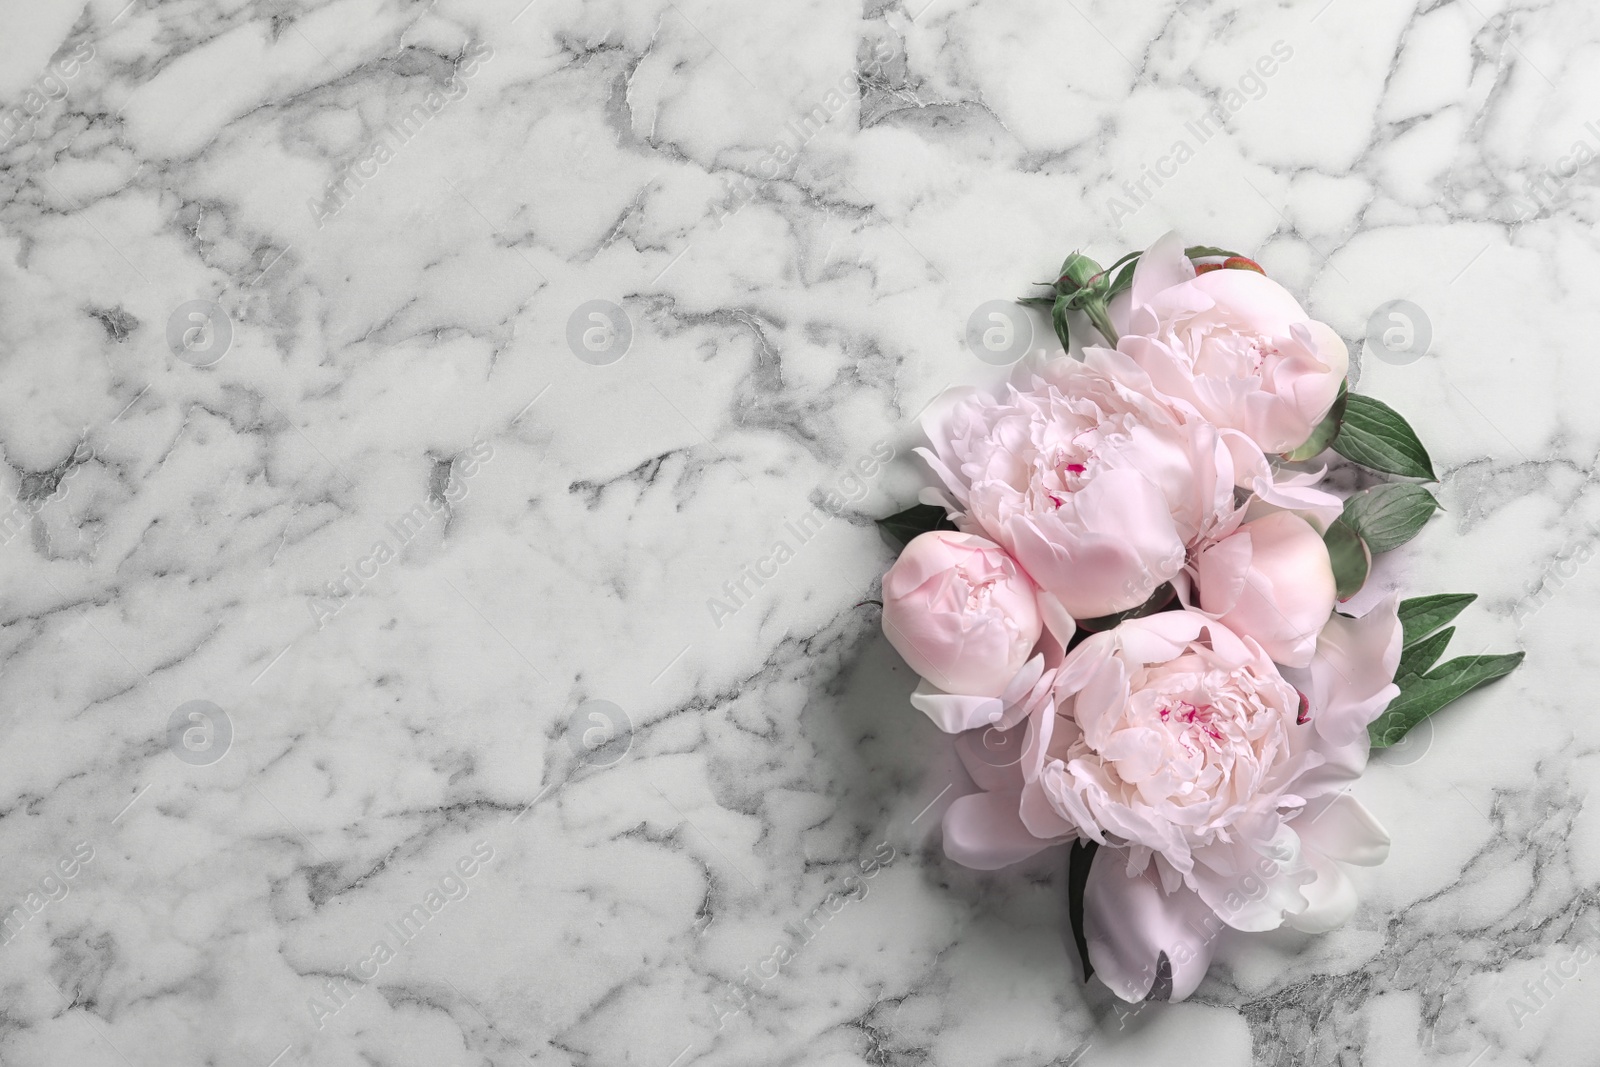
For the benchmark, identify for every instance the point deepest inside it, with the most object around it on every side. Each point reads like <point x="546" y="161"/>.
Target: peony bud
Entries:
<point x="1270" y="580"/>
<point x="961" y="612"/>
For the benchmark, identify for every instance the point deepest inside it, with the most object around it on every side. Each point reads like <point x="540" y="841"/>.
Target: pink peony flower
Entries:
<point x="1096" y="488"/>
<point x="1231" y="345"/>
<point x="961" y="612"/>
<point x="1211" y="783"/>
<point x="1271" y="580"/>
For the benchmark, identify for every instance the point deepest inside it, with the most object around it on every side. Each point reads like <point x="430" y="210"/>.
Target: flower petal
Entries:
<point x="1162" y="266"/>
<point x="993" y="757"/>
<point x="1341" y="828"/>
<point x="1252" y="887"/>
<point x="1331" y="899"/>
<point x="954" y="713"/>
<point x="1349" y="687"/>
<point x="1131" y="924"/>
<point x="1057" y="620"/>
<point x="984" y="832"/>
<point x="1221" y="572"/>
<point x="1287" y="591"/>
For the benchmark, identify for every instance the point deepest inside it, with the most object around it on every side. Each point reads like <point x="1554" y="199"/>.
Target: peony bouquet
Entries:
<point x="1123" y="599"/>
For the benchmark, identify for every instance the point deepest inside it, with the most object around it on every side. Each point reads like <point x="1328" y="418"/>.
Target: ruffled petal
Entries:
<point x="1334" y="831"/>
<point x="1252" y="888"/>
<point x="1107" y="550"/>
<point x="1349" y="686"/>
<point x="1330" y="899"/>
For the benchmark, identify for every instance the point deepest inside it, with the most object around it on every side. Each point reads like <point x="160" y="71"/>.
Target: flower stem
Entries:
<point x="1101" y="320"/>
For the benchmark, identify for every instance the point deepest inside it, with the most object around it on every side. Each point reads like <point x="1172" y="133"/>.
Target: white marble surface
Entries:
<point x="176" y="526"/>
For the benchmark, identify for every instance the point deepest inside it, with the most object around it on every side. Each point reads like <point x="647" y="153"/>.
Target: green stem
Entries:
<point x="1098" y="317"/>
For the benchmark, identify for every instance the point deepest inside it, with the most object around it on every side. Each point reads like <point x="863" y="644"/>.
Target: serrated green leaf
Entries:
<point x="1374" y="435"/>
<point x="917" y="519"/>
<point x="1350" y="558"/>
<point x="1158" y="600"/>
<point x="1058" y="318"/>
<point x="1325" y="431"/>
<point x="1206" y="251"/>
<point x="1421" y="615"/>
<point x="1424" y="695"/>
<point x="1082" y="855"/>
<point x="1416" y="659"/>
<point x="1387" y="516"/>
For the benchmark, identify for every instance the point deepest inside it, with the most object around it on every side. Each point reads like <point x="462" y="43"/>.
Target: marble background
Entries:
<point x="358" y="580"/>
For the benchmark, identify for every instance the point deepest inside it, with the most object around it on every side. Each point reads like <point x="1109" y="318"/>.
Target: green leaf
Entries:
<point x="1206" y="251"/>
<point x="1416" y="659"/>
<point x="1424" y="695"/>
<point x="1123" y="280"/>
<point x="1083" y="853"/>
<point x="1421" y="615"/>
<point x="1036" y="301"/>
<point x="1058" y="317"/>
<point x="1349" y="556"/>
<point x="1325" y="431"/>
<point x="1388" y="516"/>
<point x="1374" y="435"/>
<point x="917" y="519"/>
<point x="1135" y="254"/>
<point x="1158" y="600"/>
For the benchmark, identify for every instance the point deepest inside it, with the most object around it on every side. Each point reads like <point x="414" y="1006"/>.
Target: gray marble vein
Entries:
<point x="438" y="450"/>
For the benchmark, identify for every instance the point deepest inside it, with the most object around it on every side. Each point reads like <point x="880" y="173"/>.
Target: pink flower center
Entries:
<point x="1066" y="444"/>
<point x="1196" y="716"/>
<point x="978" y="590"/>
<point x="1069" y="474"/>
<point x="1260" y="349"/>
